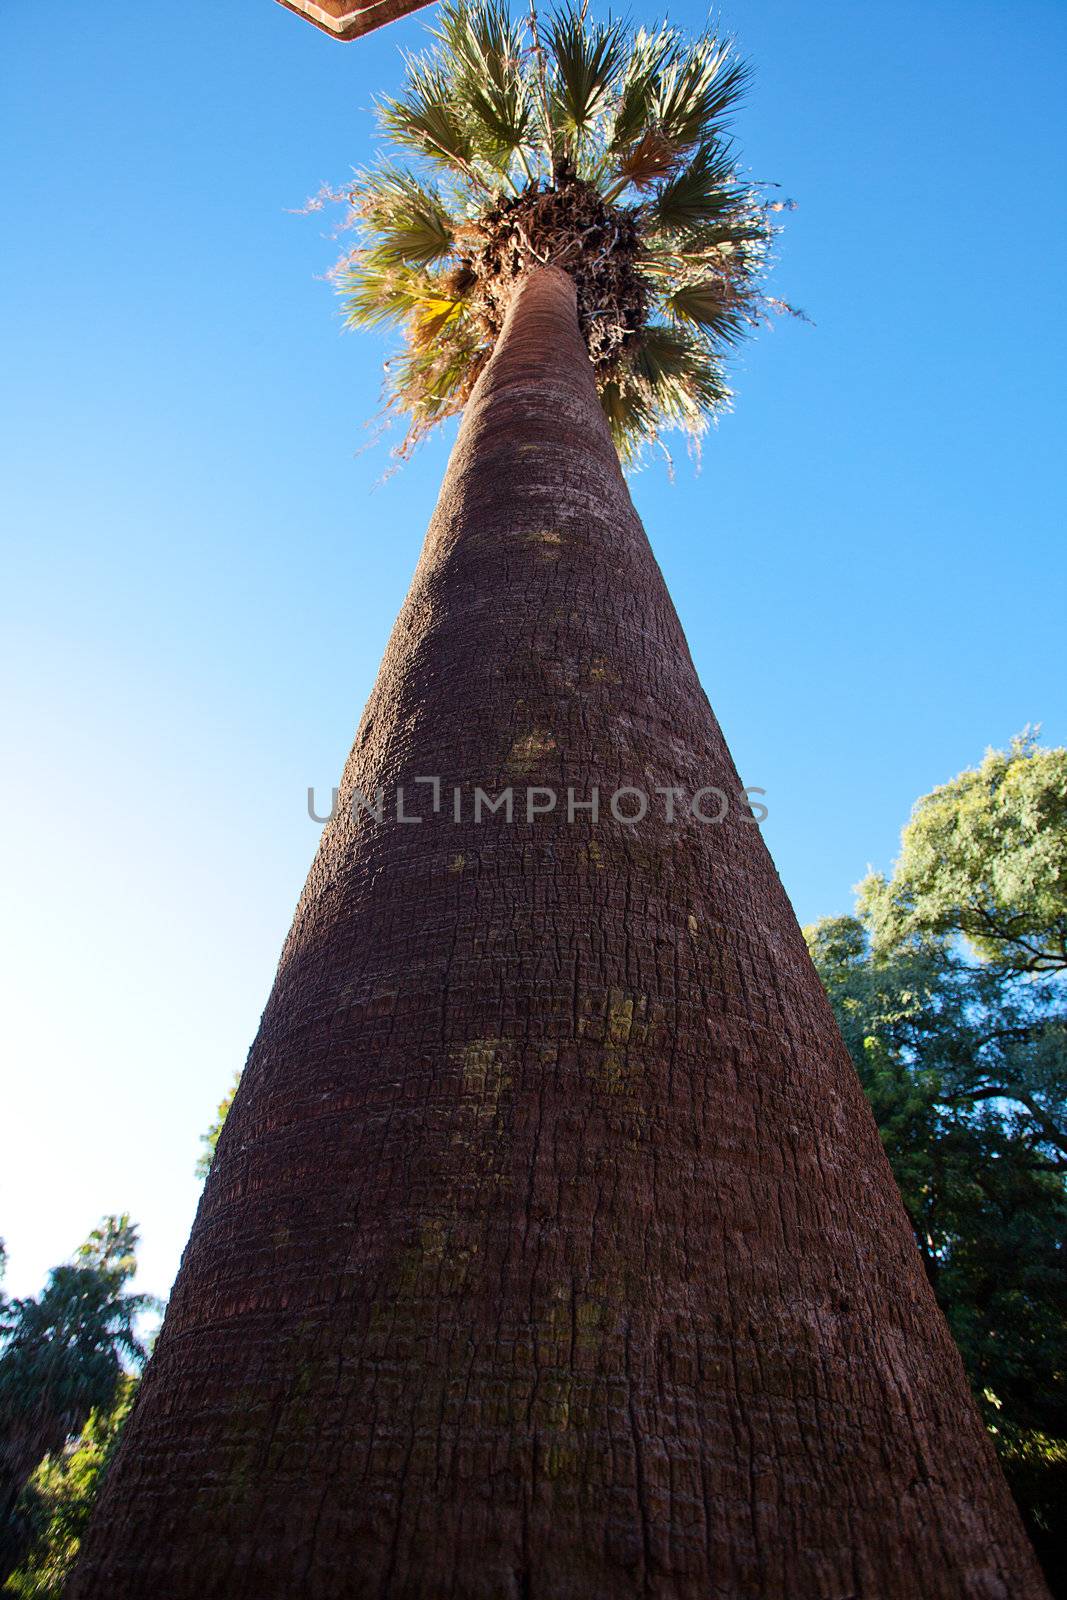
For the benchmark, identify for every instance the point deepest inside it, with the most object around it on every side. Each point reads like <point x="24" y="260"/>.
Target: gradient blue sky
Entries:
<point x="199" y="572"/>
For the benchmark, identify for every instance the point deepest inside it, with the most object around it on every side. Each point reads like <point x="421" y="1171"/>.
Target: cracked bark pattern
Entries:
<point x="550" y="1251"/>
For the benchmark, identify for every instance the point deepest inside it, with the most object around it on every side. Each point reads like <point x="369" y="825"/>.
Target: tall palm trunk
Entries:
<point x="550" y="1251"/>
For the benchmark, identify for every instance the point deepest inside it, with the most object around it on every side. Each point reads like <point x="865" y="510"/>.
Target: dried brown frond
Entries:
<point x="570" y="226"/>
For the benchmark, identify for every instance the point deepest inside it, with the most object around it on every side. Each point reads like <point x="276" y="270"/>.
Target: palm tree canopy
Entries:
<point x="593" y="146"/>
<point x="63" y="1354"/>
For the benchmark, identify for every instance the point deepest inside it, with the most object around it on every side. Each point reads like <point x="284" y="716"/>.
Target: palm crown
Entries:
<point x="591" y="146"/>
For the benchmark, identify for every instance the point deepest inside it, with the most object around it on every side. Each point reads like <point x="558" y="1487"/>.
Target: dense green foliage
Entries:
<point x="985" y="856"/>
<point x="59" y="1499"/>
<point x="947" y="991"/>
<point x="598" y="147"/>
<point x="62" y="1356"/>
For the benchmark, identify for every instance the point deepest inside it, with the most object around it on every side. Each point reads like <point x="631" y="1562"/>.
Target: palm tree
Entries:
<point x="600" y="151"/>
<point x="61" y="1357"/>
<point x="549" y="1248"/>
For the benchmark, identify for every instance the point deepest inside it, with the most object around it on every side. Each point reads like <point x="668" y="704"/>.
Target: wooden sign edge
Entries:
<point x="356" y="20"/>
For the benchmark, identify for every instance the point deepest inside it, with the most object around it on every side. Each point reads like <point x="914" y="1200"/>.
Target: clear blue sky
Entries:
<point x="199" y="572"/>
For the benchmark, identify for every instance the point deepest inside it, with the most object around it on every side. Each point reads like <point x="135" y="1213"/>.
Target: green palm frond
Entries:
<point x="486" y="52"/>
<point x="424" y="119"/>
<point x="631" y="416"/>
<point x="703" y="191"/>
<point x="699" y="89"/>
<point x="744" y="230"/>
<point x="379" y="290"/>
<point x="638" y="97"/>
<point x="586" y="59"/>
<point x="672" y="380"/>
<point x="674" y="94"/>
<point x="409" y="217"/>
<point x="683" y="377"/>
<point x="706" y="304"/>
<point x="431" y="381"/>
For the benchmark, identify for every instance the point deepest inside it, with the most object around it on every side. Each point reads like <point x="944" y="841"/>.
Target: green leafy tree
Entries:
<point x="959" y="1044"/>
<point x="976" y="1172"/>
<point x="62" y="1356"/>
<point x="985" y="856"/>
<point x="596" y="147"/>
<point x="61" y="1494"/>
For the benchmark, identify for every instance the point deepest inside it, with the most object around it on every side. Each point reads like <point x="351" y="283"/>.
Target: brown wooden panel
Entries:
<point x="344" y="19"/>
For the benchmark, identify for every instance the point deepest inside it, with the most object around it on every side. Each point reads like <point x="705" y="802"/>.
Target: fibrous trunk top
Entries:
<point x="570" y="226"/>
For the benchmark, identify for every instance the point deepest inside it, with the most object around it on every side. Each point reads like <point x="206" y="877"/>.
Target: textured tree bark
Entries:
<point x="550" y="1251"/>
